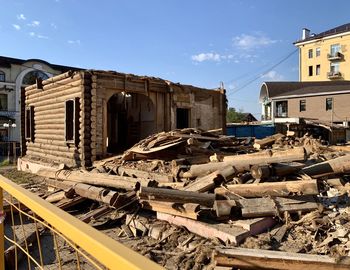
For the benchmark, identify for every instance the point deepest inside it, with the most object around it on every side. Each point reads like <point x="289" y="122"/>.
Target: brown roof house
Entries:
<point x="324" y="104"/>
<point x="78" y="117"/>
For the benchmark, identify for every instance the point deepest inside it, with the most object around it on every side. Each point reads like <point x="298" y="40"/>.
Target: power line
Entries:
<point x="264" y="73"/>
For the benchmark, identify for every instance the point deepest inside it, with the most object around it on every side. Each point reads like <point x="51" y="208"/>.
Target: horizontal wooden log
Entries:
<point x="142" y="174"/>
<point x="59" y="78"/>
<point x="243" y="162"/>
<point x="330" y="167"/>
<point x="208" y="182"/>
<point x="46" y="152"/>
<point x="49" y="89"/>
<point x="58" y="159"/>
<point x="53" y="100"/>
<point x="188" y="210"/>
<point x="224" y="232"/>
<point x="176" y="196"/>
<point x="268" y="141"/>
<point x="97" y="179"/>
<point x="263" y="207"/>
<point x="281" y="189"/>
<point x="244" y="258"/>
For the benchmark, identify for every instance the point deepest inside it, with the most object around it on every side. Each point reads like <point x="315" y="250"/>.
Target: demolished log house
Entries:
<point x="78" y="117"/>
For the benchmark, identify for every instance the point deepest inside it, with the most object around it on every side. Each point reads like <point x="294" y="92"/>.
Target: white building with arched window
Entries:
<point x="15" y="75"/>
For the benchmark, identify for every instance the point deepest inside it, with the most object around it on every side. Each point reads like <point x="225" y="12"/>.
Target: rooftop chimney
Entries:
<point x="306" y="33"/>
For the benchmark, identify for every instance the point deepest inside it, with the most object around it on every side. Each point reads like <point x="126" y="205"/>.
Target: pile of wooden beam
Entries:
<point x="220" y="187"/>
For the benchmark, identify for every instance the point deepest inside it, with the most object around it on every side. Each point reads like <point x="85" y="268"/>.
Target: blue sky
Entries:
<point x="197" y="42"/>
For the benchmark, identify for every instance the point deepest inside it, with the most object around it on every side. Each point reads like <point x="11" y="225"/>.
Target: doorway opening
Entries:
<point x="182" y="118"/>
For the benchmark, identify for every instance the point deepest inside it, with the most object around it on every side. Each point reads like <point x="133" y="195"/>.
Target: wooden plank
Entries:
<point x="244" y="258"/>
<point x="281" y="189"/>
<point x="208" y="182"/>
<point x="188" y="210"/>
<point x="224" y="232"/>
<point x="176" y="196"/>
<point x="263" y="207"/>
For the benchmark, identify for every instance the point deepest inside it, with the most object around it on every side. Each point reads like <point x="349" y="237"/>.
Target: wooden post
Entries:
<point x="14" y="152"/>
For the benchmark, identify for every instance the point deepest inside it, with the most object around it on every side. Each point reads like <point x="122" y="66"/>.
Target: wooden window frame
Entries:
<point x="29" y="124"/>
<point x="73" y="123"/>
<point x="302" y="105"/>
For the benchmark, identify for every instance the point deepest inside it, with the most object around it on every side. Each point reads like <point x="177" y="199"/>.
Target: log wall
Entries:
<point x="49" y="117"/>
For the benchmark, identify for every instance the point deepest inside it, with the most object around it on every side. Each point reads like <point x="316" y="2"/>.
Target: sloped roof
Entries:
<point x="7" y="61"/>
<point x="334" y="31"/>
<point x="273" y="90"/>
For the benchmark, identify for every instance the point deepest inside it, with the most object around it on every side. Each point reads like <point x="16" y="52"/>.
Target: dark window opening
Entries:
<point x="29" y="124"/>
<point x="69" y="131"/>
<point x="302" y="105"/>
<point x="310" y="71"/>
<point x="2" y="76"/>
<point x="72" y="121"/>
<point x="182" y="118"/>
<point x="3" y="102"/>
<point x="310" y="53"/>
<point x="329" y="104"/>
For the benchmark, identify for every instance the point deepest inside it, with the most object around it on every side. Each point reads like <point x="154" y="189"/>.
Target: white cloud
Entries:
<point x="249" y="42"/>
<point x="273" y="76"/>
<point x="16" y="26"/>
<point x="77" y="41"/>
<point x="21" y="17"/>
<point x="201" y="57"/>
<point x="33" y="34"/>
<point x="53" y="25"/>
<point x="34" y="24"/>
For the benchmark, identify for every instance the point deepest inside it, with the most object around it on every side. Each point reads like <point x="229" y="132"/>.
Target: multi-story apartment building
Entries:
<point x="15" y="74"/>
<point x="325" y="56"/>
<point x="322" y="94"/>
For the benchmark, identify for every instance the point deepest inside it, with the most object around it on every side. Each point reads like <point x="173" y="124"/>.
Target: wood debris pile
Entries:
<point x="286" y="196"/>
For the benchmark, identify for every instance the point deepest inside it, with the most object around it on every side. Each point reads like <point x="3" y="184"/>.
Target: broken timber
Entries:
<point x="329" y="167"/>
<point x="176" y="196"/>
<point x="244" y="258"/>
<point x="282" y="189"/>
<point x="263" y="207"/>
<point x="243" y="163"/>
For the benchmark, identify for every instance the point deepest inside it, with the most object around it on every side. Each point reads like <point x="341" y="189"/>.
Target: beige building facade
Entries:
<point x="325" y="56"/>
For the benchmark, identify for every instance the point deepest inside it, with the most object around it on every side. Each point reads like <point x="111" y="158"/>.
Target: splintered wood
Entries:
<point x="288" y="190"/>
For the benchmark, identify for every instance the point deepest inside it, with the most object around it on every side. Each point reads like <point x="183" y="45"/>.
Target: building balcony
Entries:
<point x="335" y="56"/>
<point x="334" y="75"/>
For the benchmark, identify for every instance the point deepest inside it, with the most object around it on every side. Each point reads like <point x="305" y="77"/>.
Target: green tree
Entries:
<point x="233" y="116"/>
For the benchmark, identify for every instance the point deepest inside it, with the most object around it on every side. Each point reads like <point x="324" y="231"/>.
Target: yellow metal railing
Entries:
<point x="74" y="244"/>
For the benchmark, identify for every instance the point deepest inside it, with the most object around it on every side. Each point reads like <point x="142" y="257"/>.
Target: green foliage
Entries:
<point x="233" y="116"/>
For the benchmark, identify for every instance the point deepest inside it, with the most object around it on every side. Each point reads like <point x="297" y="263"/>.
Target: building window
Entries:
<point x="3" y="102"/>
<point x="310" y="71"/>
<point x="318" y="52"/>
<point x="318" y="69"/>
<point x="31" y="77"/>
<point x="282" y="109"/>
<point x="334" y="67"/>
<point x="310" y="53"/>
<point x="302" y="105"/>
<point x="72" y="108"/>
<point x="2" y="76"/>
<point x="29" y="124"/>
<point x="335" y="48"/>
<point x="329" y="104"/>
